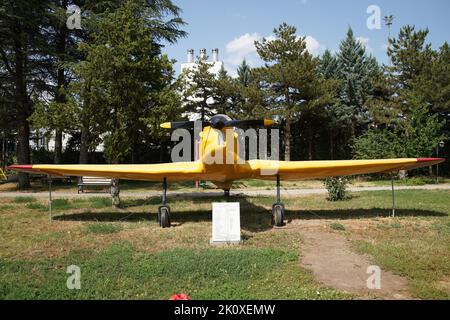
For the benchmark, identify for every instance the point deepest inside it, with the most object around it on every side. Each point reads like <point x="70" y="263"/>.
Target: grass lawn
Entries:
<point x="124" y="254"/>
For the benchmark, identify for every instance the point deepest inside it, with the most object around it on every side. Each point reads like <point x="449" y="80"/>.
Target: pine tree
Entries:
<point x="124" y="82"/>
<point x="21" y="66"/>
<point x="244" y="74"/>
<point x="200" y="92"/>
<point x="410" y="56"/>
<point x="338" y="116"/>
<point x="355" y="71"/>
<point x="290" y="79"/>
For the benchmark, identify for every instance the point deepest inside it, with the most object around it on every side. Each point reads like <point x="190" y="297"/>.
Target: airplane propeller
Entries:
<point x="219" y="122"/>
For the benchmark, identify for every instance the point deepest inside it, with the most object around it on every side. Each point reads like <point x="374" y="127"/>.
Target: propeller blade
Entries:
<point x="181" y="124"/>
<point x="250" y="123"/>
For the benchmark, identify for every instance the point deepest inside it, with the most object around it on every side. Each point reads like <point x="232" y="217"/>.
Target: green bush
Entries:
<point x="337" y="226"/>
<point x="336" y="187"/>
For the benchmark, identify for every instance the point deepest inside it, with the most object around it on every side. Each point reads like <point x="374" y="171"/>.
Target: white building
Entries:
<point x="191" y="65"/>
<point x="216" y="65"/>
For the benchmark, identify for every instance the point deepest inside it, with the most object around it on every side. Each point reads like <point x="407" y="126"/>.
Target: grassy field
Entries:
<point x="124" y="254"/>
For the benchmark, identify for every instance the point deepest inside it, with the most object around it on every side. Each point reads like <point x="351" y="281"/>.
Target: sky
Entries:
<point x="233" y="25"/>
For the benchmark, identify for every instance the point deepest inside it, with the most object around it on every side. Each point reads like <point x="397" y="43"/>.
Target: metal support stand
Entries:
<point x="164" y="196"/>
<point x="164" y="210"/>
<point x="278" y="190"/>
<point x="278" y="207"/>
<point x="393" y="196"/>
<point x="50" y="198"/>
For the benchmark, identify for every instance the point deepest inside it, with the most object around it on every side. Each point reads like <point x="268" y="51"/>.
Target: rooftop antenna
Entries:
<point x="388" y="21"/>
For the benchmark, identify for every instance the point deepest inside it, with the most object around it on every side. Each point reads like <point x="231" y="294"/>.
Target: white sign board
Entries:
<point x="226" y="222"/>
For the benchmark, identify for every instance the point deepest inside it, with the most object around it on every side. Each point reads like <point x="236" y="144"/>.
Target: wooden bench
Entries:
<point x="93" y="181"/>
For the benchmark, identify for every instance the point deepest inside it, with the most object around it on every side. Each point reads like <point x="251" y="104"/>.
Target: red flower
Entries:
<point x="180" y="296"/>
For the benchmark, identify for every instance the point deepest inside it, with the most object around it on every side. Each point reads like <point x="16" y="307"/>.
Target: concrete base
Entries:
<point x="224" y="243"/>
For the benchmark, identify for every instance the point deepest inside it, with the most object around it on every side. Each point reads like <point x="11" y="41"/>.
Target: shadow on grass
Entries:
<point x="345" y="214"/>
<point x="254" y="218"/>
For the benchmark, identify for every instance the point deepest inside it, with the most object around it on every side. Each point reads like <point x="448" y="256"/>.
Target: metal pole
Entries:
<point x="3" y="151"/>
<point x="393" y="196"/>
<point x="437" y="165"/>
<point x="50" y="197"/>
<point x="164" y="198"/>
<point x="278" y="189"/>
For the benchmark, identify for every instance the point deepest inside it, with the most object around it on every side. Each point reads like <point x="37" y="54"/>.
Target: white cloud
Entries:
<point x="313" y="46"/>
<point x="243" y="47"/>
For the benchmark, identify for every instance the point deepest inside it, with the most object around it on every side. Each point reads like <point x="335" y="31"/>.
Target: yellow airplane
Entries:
<point x="215" y="140"/>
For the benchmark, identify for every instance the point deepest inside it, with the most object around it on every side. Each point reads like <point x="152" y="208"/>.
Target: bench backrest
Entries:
<point x="95" y="180"/>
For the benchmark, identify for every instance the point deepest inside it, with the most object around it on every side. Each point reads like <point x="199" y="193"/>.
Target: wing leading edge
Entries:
<point x="181" y="171"/>
<point x="298" y="170"/>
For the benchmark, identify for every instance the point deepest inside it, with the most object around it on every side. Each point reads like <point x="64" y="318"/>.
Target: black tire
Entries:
<point x="278" y="215"/>
<point x="164" y="217"/>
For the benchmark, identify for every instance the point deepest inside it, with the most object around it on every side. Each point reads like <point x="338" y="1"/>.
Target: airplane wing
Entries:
<point x="180" y="171"/>
<point x="298" y="170"/>
<point x="253" y="169"/>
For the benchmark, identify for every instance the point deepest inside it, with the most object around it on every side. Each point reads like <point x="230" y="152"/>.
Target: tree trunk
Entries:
<point x="61" y="83"/>
<point x="162" y="151"/>
<point x="58" y="147"/>
<point x="83" y="159"/>
<point x="23" y="151"/>
<point x="287" y="141"/>
<point x="310" y="143"/>
<point x="331" y="145"/>
<point x="21" y="97"/>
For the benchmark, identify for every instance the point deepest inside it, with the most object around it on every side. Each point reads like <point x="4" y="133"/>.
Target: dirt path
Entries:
<point x="213" y="193"/>
<point x="333" y="262"/>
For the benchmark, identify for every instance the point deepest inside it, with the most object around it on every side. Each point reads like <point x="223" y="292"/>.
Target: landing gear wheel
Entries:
<point x="278" y="214"/>
<point x="164" y="216"/>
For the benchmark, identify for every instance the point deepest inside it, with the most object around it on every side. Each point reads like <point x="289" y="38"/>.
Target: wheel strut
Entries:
<point x="163" y="209"/>
<point x="278" y="208"/>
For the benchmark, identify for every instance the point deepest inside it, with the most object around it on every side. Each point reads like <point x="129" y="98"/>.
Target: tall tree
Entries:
<point x="126" y="74"/>
<point x="290" y="79"/>
<point x="355" y="71"/>
<point x="21" y="66"/>
<point x="200" y="92"/>
<point x="226" y="92"/>
<point x="338" y="116"/>
<point x="58" y="52"/>
<point x="244" y="72"/>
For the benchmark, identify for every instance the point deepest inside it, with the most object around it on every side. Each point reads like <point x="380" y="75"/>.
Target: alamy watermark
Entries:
<point x="229" y="146"/>
<point x="374" y="280"/>
<point x="74" y="280"/>
<point x="74" y="20"/>
<point x="374" y="20"/>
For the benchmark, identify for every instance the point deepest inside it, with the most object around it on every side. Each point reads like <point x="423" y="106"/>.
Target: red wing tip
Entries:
<point x="430" y="160"/>
<point x="20" y="167"/>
